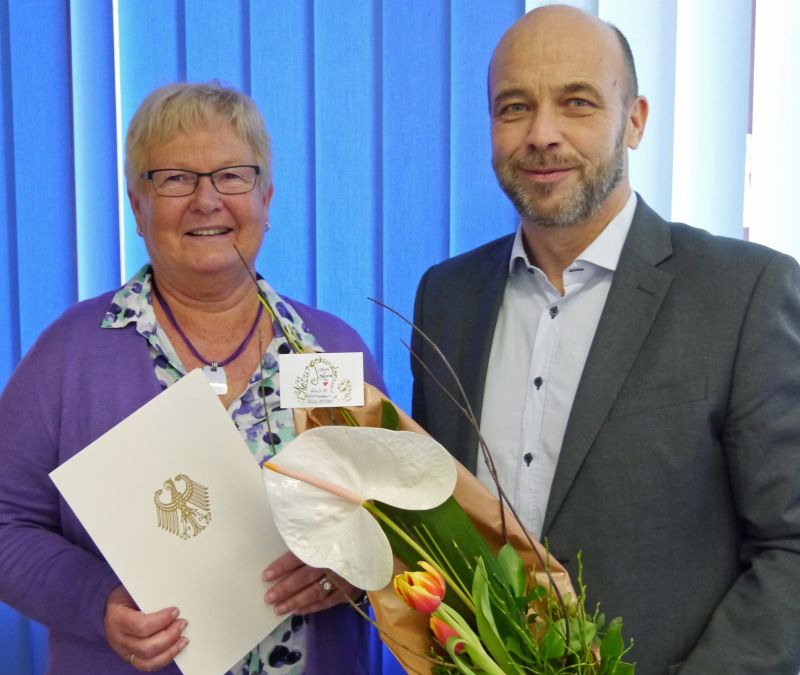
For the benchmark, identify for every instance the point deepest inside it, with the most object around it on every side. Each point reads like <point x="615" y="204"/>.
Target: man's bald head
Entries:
<point x="565" y="20"/>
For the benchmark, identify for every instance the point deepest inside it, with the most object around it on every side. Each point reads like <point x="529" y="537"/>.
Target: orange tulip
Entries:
<point x="422" y="591"/>
<point x="443" y="631"/>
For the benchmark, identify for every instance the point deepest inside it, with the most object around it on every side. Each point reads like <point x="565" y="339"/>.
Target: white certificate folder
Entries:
<point x="174" y="500"/>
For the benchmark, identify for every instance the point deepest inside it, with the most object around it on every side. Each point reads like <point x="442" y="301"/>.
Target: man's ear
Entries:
<point x="637" y="119"/>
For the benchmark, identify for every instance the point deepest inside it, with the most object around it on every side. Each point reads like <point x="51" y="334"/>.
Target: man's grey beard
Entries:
<point x="584" y="199"/>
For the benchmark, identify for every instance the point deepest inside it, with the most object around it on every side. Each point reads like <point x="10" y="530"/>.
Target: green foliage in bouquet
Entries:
<point x="524" y="626"/>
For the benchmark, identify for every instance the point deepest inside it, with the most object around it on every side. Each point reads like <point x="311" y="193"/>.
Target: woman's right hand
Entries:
<point x="146" y="641"/>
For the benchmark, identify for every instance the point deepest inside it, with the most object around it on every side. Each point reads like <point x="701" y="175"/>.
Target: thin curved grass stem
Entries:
<point x="485" y="453"/>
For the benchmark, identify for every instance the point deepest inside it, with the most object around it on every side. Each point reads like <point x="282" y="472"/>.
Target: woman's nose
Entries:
<point x="205" y="195"/>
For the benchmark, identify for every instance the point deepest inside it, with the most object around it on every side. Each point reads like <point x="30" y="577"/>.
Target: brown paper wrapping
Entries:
<point x="404" y="630"/>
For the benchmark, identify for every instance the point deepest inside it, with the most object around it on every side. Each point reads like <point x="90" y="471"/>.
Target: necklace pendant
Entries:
<point x="216" y="379"/>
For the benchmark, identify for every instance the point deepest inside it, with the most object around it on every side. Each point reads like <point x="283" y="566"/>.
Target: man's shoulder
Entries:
<point x="698" y="244"/>
<point x="684" y="244"/>
<point x="484" y="258"/>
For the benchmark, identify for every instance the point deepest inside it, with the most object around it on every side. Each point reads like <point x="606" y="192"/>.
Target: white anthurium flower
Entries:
<point x="323" y="529"/>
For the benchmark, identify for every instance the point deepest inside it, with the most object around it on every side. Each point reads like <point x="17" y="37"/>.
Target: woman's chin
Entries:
<point x="208" y="268"/>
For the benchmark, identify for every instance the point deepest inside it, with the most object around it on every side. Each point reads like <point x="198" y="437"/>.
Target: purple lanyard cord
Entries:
<point x="214" y="364"/>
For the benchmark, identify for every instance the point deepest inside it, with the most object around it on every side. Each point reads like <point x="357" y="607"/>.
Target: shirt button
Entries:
<point x="528" y="457"/>
<point x="537" y="382"/>
<point x="553" y="312"/>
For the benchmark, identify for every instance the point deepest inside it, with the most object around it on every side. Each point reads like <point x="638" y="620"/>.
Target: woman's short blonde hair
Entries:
<point x="184" y="107"/>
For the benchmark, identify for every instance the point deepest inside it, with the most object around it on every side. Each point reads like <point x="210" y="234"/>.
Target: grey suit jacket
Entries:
<point x="679" y="474"/>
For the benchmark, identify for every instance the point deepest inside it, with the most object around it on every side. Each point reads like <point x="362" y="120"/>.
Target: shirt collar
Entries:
<point x="133" y="304"/>
<point x="603" y="252"/>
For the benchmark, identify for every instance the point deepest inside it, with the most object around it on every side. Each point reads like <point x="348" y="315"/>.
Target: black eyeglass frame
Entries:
<point x="148" y="175"/>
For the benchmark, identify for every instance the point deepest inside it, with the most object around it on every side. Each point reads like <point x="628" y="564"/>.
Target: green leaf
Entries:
<point x="436" y="531"/>
<point x="581" y="634"/>
<point x="552" y="645"/>
<point x="611" y="648"/>
<point x="513" y="568"/>
<point x="487" y="629"/>
<point x="389" y="417"/>
<point x="536" y="593"/>
<point x="515" y="649"/>
<point x="460" y="662"/>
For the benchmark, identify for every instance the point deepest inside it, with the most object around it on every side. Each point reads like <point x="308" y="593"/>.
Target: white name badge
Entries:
<point x="322" y="380"/>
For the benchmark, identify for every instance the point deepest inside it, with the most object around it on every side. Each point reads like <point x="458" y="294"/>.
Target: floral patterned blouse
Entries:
<point x="281" y="652"/>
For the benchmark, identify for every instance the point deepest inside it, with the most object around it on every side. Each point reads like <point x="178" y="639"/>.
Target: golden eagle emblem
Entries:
<point x="185" y="513"/>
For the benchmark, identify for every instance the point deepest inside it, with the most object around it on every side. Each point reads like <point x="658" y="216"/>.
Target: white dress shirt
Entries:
<point x="541" y="341"/>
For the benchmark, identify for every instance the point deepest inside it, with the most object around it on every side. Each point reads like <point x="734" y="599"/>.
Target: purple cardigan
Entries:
<point x="64" y="394"/>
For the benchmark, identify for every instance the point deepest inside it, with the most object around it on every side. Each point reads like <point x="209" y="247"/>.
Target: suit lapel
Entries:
<point x="486" y="288"/>
<point x="634" y="299"/>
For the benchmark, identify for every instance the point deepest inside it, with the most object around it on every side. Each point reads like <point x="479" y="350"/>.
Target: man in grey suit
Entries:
<point x="637" y="380"/>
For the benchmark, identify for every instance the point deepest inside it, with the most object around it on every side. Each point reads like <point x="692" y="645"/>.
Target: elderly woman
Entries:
<point x="198" y="173"/>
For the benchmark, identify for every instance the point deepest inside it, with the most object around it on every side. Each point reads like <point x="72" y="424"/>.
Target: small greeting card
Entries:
<point x="322" y="380"/>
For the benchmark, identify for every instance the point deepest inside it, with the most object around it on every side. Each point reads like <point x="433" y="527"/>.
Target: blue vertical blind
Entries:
<point x="381" y="160"/>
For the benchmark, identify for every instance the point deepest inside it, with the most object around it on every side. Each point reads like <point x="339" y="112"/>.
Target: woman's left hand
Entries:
<point x="300" y="589"/>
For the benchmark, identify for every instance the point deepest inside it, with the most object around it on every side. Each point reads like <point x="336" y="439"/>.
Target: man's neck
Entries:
<point x="553" y="249"/>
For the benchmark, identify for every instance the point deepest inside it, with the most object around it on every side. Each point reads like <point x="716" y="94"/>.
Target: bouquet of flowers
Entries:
<point x="467" y="576"/>
<point x="472" y="591"/>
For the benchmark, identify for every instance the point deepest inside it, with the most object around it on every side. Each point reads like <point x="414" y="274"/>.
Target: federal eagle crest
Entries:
<point x="186" y="512"/>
